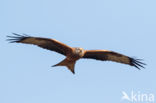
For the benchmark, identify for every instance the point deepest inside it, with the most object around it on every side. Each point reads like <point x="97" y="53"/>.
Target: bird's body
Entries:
<point x="71" y="58"/>
<point x="74" y="54"/>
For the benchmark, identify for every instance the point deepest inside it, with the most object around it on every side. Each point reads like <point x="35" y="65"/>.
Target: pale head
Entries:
<point x="79" y="51"/>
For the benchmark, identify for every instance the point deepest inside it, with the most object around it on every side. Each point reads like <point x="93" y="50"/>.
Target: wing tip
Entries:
<point x="137" y="63"/>
<point x="16" y="38"/>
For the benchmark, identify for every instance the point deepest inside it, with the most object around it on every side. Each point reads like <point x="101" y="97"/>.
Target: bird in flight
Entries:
<point x="76" y="53"/>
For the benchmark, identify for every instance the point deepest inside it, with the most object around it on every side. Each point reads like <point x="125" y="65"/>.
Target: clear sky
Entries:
<point x="124" y="26"/>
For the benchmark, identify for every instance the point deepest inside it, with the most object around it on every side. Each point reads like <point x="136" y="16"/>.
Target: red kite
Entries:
<point x="74" y="54"/>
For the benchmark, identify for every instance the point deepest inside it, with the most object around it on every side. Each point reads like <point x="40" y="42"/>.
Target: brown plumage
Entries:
<point x="73" y="54"/>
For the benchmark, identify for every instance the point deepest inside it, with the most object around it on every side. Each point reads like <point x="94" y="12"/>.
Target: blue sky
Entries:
<point x="124" y="26"/>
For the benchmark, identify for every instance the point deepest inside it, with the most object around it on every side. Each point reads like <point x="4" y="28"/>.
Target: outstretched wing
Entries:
<point x="106" y="55"/>
<point x="45" y="43"/>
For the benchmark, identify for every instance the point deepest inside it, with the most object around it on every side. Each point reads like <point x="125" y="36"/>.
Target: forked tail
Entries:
<point x="68" y="63"/>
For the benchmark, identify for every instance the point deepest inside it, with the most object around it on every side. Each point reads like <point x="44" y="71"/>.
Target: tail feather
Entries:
<point x="71" y="67"/>
<point x="69" y="64"/>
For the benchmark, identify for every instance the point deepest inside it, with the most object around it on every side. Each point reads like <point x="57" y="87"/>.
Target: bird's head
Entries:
<point x="79" y="51"/>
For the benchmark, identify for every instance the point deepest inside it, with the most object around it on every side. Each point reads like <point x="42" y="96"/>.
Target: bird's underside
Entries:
<point x="73" y="54"/>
